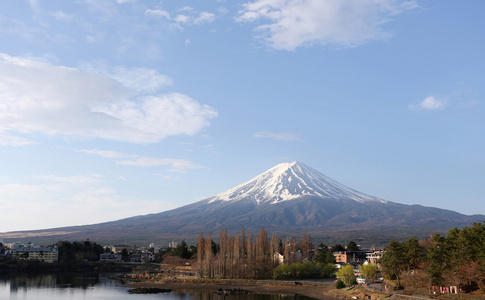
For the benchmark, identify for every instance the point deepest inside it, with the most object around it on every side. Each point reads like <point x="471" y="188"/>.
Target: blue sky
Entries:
<point x="110" y="109"/>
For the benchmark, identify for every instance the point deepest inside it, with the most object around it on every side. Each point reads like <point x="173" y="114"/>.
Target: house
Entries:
<point x="110" y="257"/>
<point x="147" y="256"/>
<point x="5" y="254"/>
<point x="279" y="258"/>
<point x="374" y="256"/>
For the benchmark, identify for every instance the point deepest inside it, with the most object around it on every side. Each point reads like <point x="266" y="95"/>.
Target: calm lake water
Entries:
<point x="97" y="286"/>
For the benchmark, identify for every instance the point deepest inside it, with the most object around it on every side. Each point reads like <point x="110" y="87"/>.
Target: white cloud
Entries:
<point x="38" y="97"/>
<point x="158" y="13"/>
<point x="276" y="136"/>
<point x="156" y="117"/>
<point x="181" y="19"/>
<point x="431" y="103"/>
<point x="204" y="18"/>
<point x="295" y="23"/>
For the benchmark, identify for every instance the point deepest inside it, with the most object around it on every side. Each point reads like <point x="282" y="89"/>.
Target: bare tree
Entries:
<point x="207" y="266"/>
<point x="200" y="253"/>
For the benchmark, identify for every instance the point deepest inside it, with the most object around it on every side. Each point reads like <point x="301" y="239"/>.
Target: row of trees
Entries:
<point x="457" y="259"/>
<point x="240" y="257"/>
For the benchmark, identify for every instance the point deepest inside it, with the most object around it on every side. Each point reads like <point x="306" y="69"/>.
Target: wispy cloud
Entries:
<point x="431" y="103"/>
<point x="189" y="17"/>
<point x="8" y="140"/>
<point x="141" y="80"/>
<point x="167" y="177"/>
<point x="472" y="103"/>
<point x="178" y="165"/>
<point x="204" y="18"/>
<point x="109" y="154"/>
<point x="276" y="136"/>
<point x="63" y="196"/>
<point x="38" y="97"/>
<point x="73" y="180"/>
<point x="292" y="24"/>
<point x="158" y="13"/>
<point x="62" y="16"/>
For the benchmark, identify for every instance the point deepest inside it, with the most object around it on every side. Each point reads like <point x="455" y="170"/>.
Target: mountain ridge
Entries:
<point x="290" y="198"/>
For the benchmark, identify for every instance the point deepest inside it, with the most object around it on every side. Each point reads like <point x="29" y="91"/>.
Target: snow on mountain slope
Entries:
<point x="289" y="181"/>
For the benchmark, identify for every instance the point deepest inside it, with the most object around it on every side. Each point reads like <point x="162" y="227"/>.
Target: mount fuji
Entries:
<point x="288" y="181"/>
<point x="289" y="199"/>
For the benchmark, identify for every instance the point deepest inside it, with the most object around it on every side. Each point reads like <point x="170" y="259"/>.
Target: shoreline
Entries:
<point x="315" y="290"/>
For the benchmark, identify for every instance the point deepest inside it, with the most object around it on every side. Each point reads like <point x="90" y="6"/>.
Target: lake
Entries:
<point x="98" y="286"/>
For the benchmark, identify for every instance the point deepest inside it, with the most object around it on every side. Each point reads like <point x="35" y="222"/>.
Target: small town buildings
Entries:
<point x="157" y="247"/>
<point x="350" y="257"/>
<point x="30" y="252"/>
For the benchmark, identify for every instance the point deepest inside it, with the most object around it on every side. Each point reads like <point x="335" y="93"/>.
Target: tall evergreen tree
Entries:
<point x="393" y="262"/>
<point x="352" y="246"/>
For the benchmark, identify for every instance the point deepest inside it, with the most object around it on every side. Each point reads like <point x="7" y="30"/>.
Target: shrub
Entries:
<point x="328" y="270"/>
<point x="339" y="284"/>
<point x="297" y="271"/>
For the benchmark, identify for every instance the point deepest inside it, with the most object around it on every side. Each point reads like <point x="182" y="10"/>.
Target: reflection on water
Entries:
<point x="99" y="286"/>
<point x="59" y="286"/>
<point x="208" y="295"/>
<point x="25" y="281"/>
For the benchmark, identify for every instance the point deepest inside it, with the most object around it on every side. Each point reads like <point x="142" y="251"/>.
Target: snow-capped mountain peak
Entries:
<point x="288" y="181"/>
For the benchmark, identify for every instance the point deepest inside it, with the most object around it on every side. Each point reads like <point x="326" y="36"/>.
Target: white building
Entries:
<point x="374" y="256"/>
<point x="46" y="254"/>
